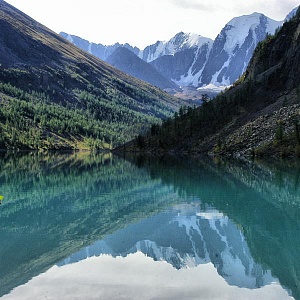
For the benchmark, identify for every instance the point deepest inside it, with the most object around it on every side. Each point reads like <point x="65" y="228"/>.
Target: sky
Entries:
<point x="143" y="22"/>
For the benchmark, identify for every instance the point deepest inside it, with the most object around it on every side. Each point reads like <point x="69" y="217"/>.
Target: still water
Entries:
<point x="80" y="226"/>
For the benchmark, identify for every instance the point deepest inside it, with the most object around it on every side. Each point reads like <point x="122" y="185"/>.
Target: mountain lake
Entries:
<point x="97" y="226"/>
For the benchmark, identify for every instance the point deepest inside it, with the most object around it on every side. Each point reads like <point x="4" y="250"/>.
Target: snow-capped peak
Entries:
<point x="238" y="29"/>
<point x="179" y="42"/>
<point x="187" y="40"/>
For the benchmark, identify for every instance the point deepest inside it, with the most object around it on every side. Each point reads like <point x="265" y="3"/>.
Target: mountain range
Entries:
<point x="191" y="59"/>
<point x="57" y="96"/>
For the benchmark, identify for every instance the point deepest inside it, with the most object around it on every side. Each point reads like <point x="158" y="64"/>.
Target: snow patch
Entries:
<point x="213" y="87"/>
<point x="70" y="38"/>
<point x="90" y="48"/>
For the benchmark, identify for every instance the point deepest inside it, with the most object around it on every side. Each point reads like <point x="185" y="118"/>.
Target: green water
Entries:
<point x="81" y="226"/>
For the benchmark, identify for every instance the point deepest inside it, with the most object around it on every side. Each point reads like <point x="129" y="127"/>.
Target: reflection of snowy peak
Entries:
<point x="185" y="241"/>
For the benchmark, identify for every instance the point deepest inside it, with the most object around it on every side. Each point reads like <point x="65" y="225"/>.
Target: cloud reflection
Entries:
<point x="106" y="277"/>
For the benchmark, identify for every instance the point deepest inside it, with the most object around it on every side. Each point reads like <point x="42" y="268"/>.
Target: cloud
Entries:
<point x="192" y="4"/>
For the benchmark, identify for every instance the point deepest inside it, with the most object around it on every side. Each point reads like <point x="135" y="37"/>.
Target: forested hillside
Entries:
<point x="53" y="95"/>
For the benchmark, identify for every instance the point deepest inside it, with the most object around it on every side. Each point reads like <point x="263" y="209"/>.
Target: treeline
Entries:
<point x="31" y="120"/>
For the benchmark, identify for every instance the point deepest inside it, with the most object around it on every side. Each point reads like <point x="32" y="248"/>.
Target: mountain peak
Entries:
<point x="239" y="28"/>
<point x="181" y="41"/>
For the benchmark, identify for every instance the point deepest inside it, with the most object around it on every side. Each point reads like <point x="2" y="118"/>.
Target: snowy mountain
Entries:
<point x="192" y="60"/>
<point x="184" y="67"/>
<point x="233" y="48"/>
<point x="222" y="62"/>
<point x="185" y="238"/>
<point x="187" y="44"/>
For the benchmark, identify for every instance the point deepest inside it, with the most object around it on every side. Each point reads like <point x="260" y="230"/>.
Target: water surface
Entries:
<point x="86" y="226"/>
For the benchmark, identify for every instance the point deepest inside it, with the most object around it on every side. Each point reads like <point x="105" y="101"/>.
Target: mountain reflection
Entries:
<point x="263" y="198"/>
<point x="59" y="209"/>
<point x="186" y="237"/>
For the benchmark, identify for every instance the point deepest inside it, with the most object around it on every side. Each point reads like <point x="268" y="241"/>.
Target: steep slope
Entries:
<point x="126" y="61"/>
<point x="55" y="95"/>
<point x="259" y="115"/>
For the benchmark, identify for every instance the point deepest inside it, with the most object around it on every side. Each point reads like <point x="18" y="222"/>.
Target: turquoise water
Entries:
<point x="80" y="226"/>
